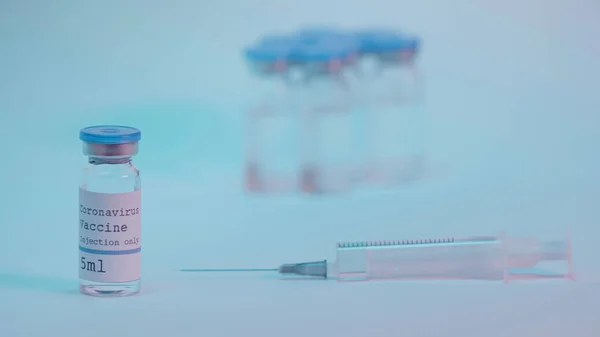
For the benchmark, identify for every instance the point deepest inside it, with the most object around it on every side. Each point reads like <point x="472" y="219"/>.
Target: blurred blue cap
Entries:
<point x="110" y="134"/>
<point x="323" y="44"/>
<point x="326" y="35"/>
<point x="326" y="43"/>
<point x="323" y="51"/>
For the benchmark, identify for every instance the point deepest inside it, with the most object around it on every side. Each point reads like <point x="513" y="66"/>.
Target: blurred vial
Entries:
<point x="328" y="115"/>
<point x="390" y="92"/>
<point x="271" y="122"/>
<point x="109" y="213"/>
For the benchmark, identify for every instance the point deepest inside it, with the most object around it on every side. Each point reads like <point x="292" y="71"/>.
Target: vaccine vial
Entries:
<point x="328" y="115"/>
<point x="110" y="213"/>
<point x="271" y="125"/>
<point x="395" y="121"/>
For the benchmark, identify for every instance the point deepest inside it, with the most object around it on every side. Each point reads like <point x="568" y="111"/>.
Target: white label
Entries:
<point x="110" y="236"/>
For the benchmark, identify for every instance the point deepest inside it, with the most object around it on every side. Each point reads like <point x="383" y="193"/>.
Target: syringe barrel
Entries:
<point x="489" y="258"/>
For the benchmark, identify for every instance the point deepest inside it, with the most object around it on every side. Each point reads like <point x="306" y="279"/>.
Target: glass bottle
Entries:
<point x="391" y="91"/>
<point x="110" y="212"/>
<point x="271" y="125"/>
<point x="328" y="116"/>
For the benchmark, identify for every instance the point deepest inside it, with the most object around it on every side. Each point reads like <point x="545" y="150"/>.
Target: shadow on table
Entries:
<point x="49" y="284"/>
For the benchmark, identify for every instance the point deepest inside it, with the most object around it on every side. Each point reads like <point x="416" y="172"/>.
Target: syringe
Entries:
<point x="479" y="258"/>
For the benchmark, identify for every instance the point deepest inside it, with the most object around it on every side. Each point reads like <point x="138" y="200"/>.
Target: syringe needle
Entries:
<point x="227" y="269"/>
<point x="312" y="269"/>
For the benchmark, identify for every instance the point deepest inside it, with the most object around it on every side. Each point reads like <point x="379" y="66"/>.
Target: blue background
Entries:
<point x="512" y="103"/>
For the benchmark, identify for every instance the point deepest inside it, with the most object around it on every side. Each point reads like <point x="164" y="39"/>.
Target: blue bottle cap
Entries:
<point x="326" y="35"/>
<point x="323" y="51"/>
<point x="110" y="134"/>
